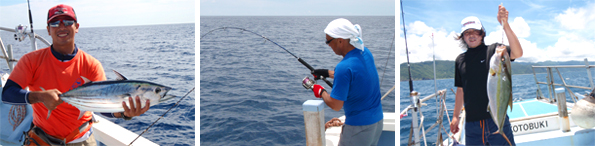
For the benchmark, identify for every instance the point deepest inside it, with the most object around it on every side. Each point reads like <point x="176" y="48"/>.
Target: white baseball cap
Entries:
<point x="471" y="22"/>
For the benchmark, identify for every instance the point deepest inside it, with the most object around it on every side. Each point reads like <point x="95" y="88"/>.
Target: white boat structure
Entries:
<point x="317" y="136"/>
<point x="539" y="121"/>
<point x="105" y="131"/>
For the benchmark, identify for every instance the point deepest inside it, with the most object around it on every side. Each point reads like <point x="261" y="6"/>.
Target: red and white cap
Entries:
<point x="471" y="22"/>
<point x="60" y="10"/>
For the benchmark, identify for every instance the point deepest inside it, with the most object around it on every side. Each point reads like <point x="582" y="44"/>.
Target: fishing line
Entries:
<point x="162" y="116"/>
<point x="267" y="39"/>
<point x="387" y="58"/>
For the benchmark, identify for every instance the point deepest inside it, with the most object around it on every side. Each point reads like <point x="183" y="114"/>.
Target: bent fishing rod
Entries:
<point x="267" y="39"/>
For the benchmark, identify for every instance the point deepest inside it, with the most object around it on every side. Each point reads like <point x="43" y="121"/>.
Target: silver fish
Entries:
<point x="499" y="88"/>
<point x="107" y="96"/>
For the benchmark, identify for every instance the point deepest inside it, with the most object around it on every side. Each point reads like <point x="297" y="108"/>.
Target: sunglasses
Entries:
<point x="329" y="41"/>
<point x="57" y="23"/>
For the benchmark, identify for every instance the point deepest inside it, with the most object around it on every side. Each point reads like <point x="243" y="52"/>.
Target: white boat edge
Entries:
<point x="110" y="133"/>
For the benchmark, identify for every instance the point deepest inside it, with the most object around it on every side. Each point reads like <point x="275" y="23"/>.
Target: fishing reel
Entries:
<point x="21" y="32"/>
<point x="308" y="83"/>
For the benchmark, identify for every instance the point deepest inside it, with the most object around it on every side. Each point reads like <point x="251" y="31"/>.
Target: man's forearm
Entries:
<point x="331" y="102"/>
<point x="516" y="50"/>
<point x="459" y="100"/>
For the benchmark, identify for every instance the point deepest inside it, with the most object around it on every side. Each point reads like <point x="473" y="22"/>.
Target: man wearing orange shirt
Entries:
<point x="58" y="68"/>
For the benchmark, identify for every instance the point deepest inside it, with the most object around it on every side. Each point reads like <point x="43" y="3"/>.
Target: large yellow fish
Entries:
<point x="499" y="88"/>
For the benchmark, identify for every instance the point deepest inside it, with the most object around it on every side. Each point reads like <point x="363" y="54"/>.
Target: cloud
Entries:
<point x="419" y="42"/>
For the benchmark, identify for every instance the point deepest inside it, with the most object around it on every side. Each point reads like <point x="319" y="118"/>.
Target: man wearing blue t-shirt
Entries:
<point x="356" y="85"/>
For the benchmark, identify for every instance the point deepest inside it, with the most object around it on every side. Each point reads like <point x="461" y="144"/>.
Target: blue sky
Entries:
<point x="547" y="29"/>
<point x="297" y="8"/>
<point x="101" y="13"/>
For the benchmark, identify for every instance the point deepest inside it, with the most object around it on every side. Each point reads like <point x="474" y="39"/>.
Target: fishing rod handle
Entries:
<point x="306" y="64"/>
<point x="327" y="82"/>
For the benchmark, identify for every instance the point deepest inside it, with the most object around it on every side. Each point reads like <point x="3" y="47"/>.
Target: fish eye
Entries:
<point x="157" y="90"/>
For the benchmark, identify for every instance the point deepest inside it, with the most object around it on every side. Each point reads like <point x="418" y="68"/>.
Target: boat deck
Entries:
<point x="531" y="107"/>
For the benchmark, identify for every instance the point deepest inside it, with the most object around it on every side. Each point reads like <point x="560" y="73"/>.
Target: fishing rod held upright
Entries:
<point x="267" y="39"/>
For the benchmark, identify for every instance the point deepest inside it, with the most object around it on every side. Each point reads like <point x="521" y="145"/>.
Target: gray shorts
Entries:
<point x="366" y="135"/>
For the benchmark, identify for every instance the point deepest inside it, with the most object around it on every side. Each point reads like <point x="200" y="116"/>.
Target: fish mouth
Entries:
<point x="166" y="97"/>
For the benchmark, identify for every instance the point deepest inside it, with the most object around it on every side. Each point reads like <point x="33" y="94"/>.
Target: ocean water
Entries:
<point x="251" y="92"/>
<point x="523" y="87"/>
<point x="163" y="54"/>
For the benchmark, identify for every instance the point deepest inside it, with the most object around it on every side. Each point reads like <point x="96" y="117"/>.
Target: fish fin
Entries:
<point x="119" y="75"/>
<point x="510" y="102"/>
<point x="492" y="72"/>
<point x="85" y="80"/>
<point x="81" y="114"/>
<point x="41" y="88"/>
<point x="488" y="108"/>
<point x="49" y="113"/>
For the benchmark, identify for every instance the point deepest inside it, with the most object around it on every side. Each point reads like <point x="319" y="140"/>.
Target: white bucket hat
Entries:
<point x="471" y="22"/>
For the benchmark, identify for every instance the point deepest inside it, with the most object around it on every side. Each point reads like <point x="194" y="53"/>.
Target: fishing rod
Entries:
<point x="267" y="39"/>
<point x="406" y="49"/>
<point x="30" y="17"/>
<point x="162" y="115"/>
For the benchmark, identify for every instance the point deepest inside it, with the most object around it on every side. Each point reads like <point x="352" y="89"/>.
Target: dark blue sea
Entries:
<point x="523" y="87"/>
<point x="163" y="54"/>
<point x="250" y="90"/>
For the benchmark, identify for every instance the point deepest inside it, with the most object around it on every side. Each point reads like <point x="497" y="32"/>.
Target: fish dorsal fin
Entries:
<point x="120" y="76"/>
<point x="86" y="80"/>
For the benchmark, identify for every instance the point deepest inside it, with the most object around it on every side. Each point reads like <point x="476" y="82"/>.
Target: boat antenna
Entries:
<point x="162" y="115"/>
<point x="267" y="39"/>
<point x="30" y="17"/>
<point x="406" y="49"/>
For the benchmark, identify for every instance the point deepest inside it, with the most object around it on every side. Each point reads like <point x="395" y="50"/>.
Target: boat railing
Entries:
<point x="20" y="34"/>
<point x="552" y="86"/>
<point x="418" y="117"/>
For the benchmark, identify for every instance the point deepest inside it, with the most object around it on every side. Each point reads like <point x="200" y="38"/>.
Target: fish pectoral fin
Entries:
<point x="81" y="114"/>
<point x="119" y="75"/>
<point x="492" y="72"/>
<point x="510" y="102"/>
<point x="49" y="113"/>
<point x="41" y="88"/>
<point x="85" y="80"/>
<point x="488" y="108"/>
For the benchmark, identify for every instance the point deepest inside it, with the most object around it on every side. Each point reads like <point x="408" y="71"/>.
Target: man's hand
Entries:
<point x="135" y="109"/>
<point x="318" y="73"/>
<point x="317" y="89"/>
<point x="502" y="14"/>
<point x="49" y="98"/>
<point x="454" y="125"/>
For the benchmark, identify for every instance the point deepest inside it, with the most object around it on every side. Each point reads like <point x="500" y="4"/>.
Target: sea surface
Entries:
<point x="163" y="54"/>
<point x="250" y="90"/>
<point x="523" y="87"/>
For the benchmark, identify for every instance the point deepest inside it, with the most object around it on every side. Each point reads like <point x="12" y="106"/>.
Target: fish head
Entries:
<point x="156" y="93"/>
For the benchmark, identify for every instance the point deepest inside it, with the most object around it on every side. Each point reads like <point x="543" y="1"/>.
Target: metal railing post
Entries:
<point x="589" y="72"/>
<point x="314" y="122"/>
<point x="415" y="102"/>
<point x="562" y="110"/>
